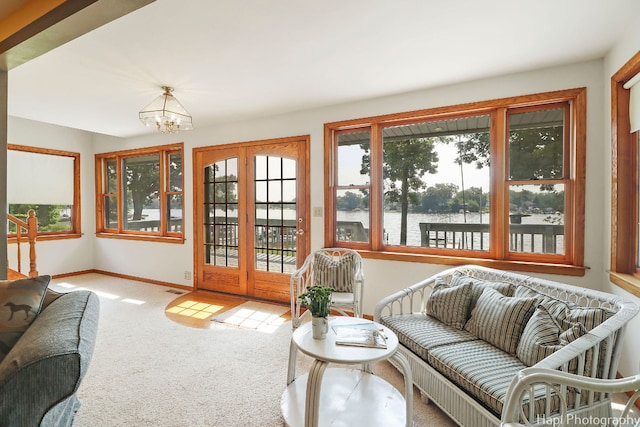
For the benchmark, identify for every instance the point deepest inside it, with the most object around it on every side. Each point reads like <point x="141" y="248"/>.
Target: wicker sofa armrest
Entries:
<point x="591" y="379"/>
<point x="530" y="377"/>
<point x="409" y="300"/>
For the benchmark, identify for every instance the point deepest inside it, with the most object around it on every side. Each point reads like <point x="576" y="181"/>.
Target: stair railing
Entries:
<point x="31" y="228"/>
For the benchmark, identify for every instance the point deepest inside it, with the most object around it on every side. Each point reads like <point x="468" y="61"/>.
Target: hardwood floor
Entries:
<point x="195" y="309"/>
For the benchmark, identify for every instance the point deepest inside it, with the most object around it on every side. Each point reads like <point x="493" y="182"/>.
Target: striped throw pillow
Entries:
<point x="479" y="285"/>
<point x="500" y="320"/>
<point x="336" y="272"/>
<point x="539" y="338"/>
<point x="450" y="304"/>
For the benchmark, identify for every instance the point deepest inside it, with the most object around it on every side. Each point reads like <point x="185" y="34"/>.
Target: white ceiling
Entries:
<point x="232" y="60"/>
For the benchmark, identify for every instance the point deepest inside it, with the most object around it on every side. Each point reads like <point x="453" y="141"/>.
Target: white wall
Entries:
<point x="68" y="255"/>
<point x="617" y="57"/>
<point x="167" y="262"/>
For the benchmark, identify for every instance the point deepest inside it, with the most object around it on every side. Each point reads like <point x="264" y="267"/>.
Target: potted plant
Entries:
<point x="317" y="299"/>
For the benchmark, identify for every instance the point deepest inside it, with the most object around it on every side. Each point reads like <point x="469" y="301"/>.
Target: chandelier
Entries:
<point x="166" y="113"/>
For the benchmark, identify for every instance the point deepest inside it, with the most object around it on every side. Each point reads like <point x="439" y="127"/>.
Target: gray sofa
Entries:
<point x="41" y="374"/>
<point x="469" y="333"/>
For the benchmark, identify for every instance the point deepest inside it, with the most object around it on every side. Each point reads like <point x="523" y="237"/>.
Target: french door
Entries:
<point x="251" y="216"/>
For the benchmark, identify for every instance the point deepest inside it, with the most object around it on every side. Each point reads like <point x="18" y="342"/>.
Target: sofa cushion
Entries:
<point x="420" y="333"/>
<point x="20" y="303"/>
<point x="450" y="304"/>
<point x="335" y="272"/>
<point x="499" y="320"/>
<point x="482" y="370"/>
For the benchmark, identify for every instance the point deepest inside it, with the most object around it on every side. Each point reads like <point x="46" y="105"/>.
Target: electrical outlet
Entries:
<point x="187" y="275"/>
<point x="317" y="211"/>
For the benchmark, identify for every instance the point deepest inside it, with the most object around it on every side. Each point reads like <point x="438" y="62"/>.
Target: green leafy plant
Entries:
<point x="317" y="299"/>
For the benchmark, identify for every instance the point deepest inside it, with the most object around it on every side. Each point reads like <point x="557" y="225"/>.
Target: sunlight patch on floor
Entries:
<point x="102" y="294"/>
<point x="133" y="301"/>
<point x="195" y="309"/>
<point x="255" y="319"/>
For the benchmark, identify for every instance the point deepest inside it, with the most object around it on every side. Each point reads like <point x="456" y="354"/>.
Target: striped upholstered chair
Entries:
<point x="338" y="268"/>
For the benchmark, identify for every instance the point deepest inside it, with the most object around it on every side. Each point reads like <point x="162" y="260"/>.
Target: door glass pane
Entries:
<point x="221" y="213"/>
<point x="436" y="184"/>
<point x="275" y="214"/>
<point x="536" y="218"/>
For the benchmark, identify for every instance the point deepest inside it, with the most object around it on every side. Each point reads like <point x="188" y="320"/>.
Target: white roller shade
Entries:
<point x="634" y="102"/>
<point x="42" y="179"/>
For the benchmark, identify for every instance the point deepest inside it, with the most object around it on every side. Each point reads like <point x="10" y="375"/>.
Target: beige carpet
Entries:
<point x="148" y="370"/>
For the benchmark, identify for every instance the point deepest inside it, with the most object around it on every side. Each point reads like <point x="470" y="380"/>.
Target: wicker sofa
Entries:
<point x="469" y="331"/>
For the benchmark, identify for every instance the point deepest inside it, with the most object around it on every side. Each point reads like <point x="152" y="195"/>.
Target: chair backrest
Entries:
<point x="340" y="269"/>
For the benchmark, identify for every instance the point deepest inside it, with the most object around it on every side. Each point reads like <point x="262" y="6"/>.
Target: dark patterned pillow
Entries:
<point x="450" y="304"/>
<point x="499" y="320"/>
<point x="336" y="272"/>
<point x="20" y="303"/>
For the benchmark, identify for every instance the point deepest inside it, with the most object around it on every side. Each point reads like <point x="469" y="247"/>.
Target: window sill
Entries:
<point x="627" y="282"/>
<point x="532" y="267"/>
<point x="151" y="238"/>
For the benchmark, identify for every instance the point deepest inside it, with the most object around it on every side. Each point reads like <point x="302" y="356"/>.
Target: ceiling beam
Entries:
<point x="39" y="26"/>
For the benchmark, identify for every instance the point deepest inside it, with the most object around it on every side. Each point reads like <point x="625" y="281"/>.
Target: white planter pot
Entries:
<point x="319" y="327"/>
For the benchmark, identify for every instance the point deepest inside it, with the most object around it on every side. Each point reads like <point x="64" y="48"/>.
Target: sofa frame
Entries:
<point x="464" y="409"/>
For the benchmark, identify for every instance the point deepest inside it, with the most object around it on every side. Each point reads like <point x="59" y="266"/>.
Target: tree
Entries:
<point x="436" y="198"/>
<point x="349" y="201"/>
<point x="405" y="162"/>
<point x="143" y="184"/>
<point x="536" y="153"/>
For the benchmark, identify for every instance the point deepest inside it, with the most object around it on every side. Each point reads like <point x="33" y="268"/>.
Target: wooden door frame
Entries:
<point x="303" y="208"/>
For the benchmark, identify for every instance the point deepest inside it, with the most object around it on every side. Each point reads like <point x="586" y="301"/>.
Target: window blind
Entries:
<point x="36" y="178"/>
<point x="634" y="101"/>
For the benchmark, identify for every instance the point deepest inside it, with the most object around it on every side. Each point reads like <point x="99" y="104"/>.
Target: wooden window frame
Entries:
<point x="572" y="263"/>
<point x="163" y="235"/>
<point x="624" y="184"/>
<point x="76" y="230"/>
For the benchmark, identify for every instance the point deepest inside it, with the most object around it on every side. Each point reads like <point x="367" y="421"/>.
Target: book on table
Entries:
<point x="360" y="335"/>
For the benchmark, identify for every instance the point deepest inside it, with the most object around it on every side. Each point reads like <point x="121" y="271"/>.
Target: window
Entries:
<point x="499" y="181"/>
<point x="140" y="193"/>
<point x="625" y="192"/>
<point x="46" y="181"/>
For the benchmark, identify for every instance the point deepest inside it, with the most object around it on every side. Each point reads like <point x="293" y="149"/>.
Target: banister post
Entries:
<point x="32" y="234"/>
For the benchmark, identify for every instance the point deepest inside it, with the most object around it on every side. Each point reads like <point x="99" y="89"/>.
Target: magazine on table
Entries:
<point x="360" y="335"/>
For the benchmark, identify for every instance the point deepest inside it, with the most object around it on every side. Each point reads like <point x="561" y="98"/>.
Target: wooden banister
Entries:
<point x="31" y="227"/>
